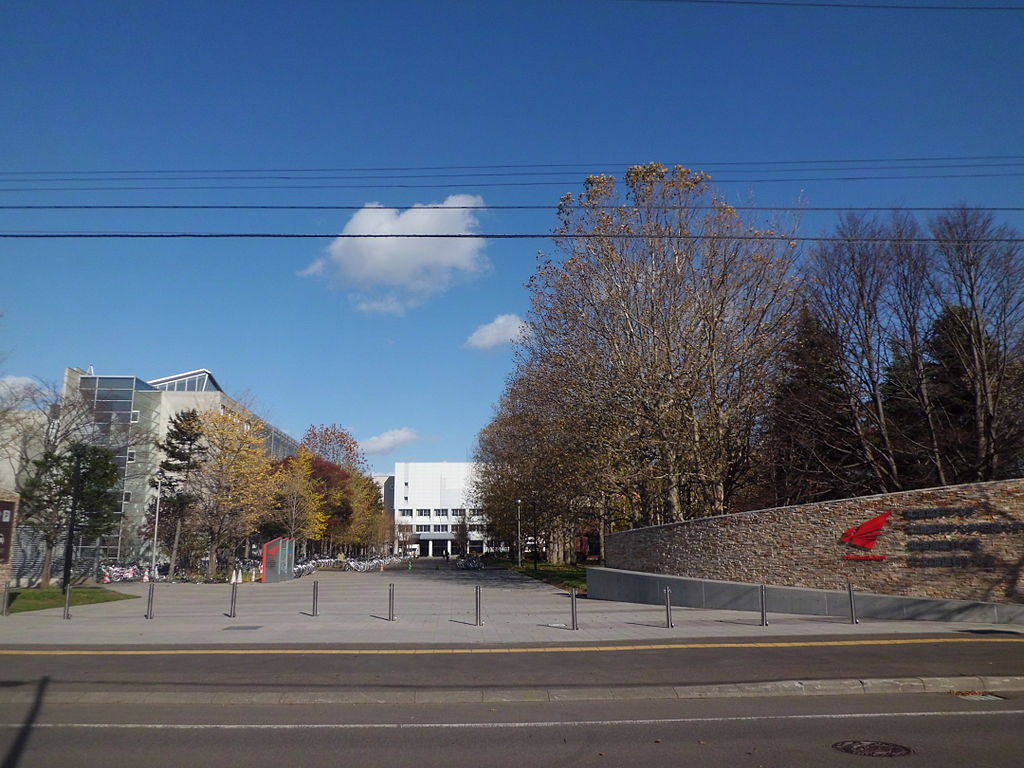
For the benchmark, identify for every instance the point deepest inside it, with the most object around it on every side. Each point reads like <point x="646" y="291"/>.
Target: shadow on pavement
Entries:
<point x="17" y="747"/>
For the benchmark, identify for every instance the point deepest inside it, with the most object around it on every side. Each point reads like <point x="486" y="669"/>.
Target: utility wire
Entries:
<point x="944" y="158"/>
<point x="290" y="177"/>
<point x="466" y="184"/>
<point x="852" y="6"/>
<point x="438" y="207"/>
<point x="473" y="236"/>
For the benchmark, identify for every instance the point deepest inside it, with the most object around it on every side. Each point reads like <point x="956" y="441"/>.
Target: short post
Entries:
<point x="316" y="598"/>
<point x="668" y="608"/>
<point x="391" y="602"/>
<point x="234" y="600"/>
<point x="853" y="604"/>
<point x="764" y="605"/>
<point x="67" y="602"/>
<point x="478" y="621"/>
<point x="7" y="597"/>
<point x="149" y="601"/>
<point x="572" y="602"/>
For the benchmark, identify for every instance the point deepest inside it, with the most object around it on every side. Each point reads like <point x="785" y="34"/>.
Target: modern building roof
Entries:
<point x="203" y="379"/>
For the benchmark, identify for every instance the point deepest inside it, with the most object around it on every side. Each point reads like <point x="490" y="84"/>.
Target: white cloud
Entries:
<point x="389" y="441"/>
<point x="391" y="275"/>
<point x="14" y="387"/>
<point x="504" y="329"/>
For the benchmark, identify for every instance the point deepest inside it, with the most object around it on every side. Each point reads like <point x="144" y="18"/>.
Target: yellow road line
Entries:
<point x="539" y="649"/>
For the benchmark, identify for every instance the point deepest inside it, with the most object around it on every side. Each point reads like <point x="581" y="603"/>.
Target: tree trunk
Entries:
<point x="211" y="564"/>
<point x="174" y="549"/>
<point x="44" y="577"/>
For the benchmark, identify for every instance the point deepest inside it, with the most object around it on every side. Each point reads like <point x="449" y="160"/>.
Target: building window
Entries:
<point x="458" y="513"/>
<point x="126" y="497"/>
<point x="135" y="417"/>
<point x="131" y="457"/>
<point x="422" y="528"/>
<point x="441" y="512"/>
<point x="405" y="512"/>
<point x="422" y="513"/>
<point x="440" y="529"/>
<point x="476" y="528"/>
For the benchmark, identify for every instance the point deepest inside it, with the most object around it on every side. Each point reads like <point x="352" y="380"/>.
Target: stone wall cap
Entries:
<point x="873" y="497"/>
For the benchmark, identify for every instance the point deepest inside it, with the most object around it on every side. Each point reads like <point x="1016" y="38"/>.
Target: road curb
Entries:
<point x="523" y="695"/>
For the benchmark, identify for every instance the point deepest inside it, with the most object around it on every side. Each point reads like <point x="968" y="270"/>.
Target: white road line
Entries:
<point x="470" y="726"/>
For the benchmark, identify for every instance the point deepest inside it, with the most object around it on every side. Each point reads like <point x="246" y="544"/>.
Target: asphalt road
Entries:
<point x="338" y="669"/>
<point x="940" y="730"/>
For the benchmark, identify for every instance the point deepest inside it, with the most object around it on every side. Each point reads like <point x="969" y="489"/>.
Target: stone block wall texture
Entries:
<point x="962" y="542"/>
<point x="9" y="531"/>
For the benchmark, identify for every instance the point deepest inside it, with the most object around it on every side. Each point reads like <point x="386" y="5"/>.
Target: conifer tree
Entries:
<point x="184" y="453"/>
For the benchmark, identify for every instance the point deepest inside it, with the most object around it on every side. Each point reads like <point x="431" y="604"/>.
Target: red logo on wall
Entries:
<point x="865" y="536"/>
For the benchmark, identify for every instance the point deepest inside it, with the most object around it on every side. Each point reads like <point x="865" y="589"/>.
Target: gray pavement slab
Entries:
<point x="433" y="607"/>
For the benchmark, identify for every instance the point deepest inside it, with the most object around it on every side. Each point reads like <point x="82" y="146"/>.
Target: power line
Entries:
<point x="473" y="236"/>
<point x="290" y="177"/>
<point x="438" y="207"/>
<point x="490" y="184"/>
<point x="356" y="169"/>
<point x="852" y="6"/>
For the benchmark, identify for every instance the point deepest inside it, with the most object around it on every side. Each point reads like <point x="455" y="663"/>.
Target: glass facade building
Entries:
<point x="129" y="415"/>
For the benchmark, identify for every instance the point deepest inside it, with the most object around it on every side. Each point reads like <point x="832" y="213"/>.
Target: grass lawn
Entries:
<point x="563" y="576"/>
<point x="38" y="599"/>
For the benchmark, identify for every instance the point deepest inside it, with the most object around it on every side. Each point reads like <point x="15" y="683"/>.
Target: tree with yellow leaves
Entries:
<point x="360" y="518"/>
<point x="236" y="484"/>
<point x="300" y="500"/>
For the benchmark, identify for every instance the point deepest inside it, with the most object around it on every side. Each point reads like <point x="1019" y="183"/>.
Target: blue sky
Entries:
<point x="373" y="336"/>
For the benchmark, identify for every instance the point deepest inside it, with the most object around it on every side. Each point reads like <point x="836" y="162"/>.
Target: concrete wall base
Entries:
<point x="649" y="588"/>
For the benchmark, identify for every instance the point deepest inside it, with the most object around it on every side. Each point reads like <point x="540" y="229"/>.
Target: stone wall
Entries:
<point x="962" y="542"/>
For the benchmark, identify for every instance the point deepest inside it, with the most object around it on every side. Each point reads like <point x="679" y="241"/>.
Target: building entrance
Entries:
<point x="440" y="547"/>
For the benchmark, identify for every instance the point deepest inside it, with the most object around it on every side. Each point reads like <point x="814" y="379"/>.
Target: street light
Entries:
<point x="156" y="523"/>
<point x="519" y="532"/>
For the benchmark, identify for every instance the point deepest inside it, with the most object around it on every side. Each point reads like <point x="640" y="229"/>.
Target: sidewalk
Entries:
<point x="432" y="608"/>
<point x="526" y="631"/>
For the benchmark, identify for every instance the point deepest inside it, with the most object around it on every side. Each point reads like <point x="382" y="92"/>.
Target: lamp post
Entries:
<point x="156" y="524"/>
<point x="519" y="532"/>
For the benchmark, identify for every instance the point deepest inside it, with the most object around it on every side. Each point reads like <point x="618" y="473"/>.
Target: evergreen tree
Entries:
<point x="184" y="454"/>
<point x="809" y="442"/>
<point x="70" y="492"/>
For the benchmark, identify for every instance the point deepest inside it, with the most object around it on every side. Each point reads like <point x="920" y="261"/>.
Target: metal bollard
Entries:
<point x="316" y="598"/>
<point x="572" y="601"/>
<point x="764" y="606"/>
<point x="478" y="621"/>
<point x="391" y="602"/>
<point x="668" y="608"/>
<point x="234" y="600"/>
<point x="149" y="601"/>
<point x="853" y="604"/>
<point x="7" y="597"/>
<point x="67" y="602"/>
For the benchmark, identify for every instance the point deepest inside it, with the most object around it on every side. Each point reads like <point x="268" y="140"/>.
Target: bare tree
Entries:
<point x="670" y="316"/>
<point x="980" y="271"/>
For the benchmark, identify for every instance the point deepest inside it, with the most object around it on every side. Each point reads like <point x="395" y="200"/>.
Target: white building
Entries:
<point x="431" y="500"/>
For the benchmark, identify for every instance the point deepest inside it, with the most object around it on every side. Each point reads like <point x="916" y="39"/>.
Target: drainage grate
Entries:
<point x="242" y="627"/>
<point x="873" y="748"/>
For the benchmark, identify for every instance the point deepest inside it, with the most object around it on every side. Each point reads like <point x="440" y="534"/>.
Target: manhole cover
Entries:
<point x="242" y="627"/>
<point x="873" y="748"/>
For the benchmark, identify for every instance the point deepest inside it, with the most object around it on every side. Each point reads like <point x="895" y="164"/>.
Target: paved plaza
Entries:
<point x="434" y="605"/>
